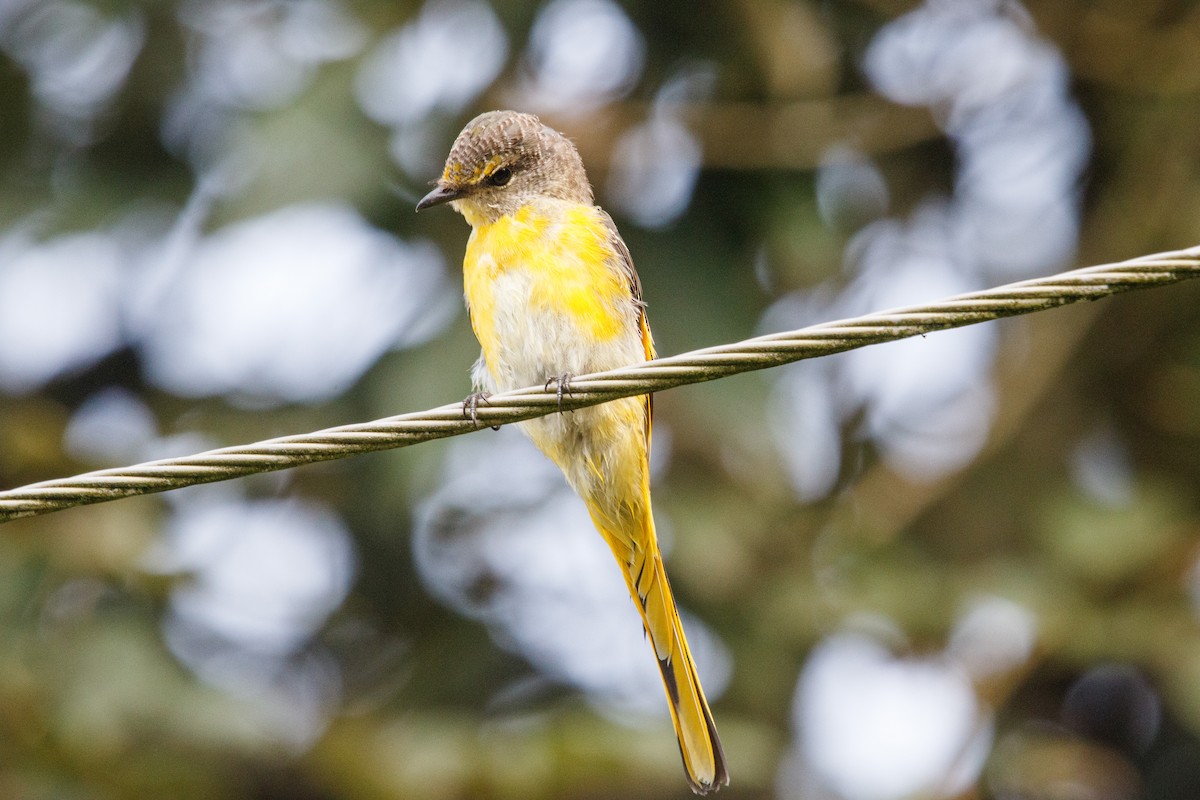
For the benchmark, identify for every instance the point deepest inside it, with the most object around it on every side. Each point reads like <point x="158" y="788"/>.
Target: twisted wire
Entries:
<point x="708" y="364"/>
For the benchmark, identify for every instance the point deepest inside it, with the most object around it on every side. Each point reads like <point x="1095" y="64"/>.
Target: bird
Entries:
<point x="552" y="293"/>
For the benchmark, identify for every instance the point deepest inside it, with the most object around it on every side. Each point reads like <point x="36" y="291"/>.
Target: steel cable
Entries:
<point x="707" y="364"/>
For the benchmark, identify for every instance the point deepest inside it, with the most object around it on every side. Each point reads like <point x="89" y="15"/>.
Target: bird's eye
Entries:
<point x="500" y="177"/>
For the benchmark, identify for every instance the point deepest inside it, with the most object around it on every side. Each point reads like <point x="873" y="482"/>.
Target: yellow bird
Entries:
<point x="552" y="293"/>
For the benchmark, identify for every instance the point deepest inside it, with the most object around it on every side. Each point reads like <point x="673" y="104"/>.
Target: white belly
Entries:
<point x="535" y="345"/>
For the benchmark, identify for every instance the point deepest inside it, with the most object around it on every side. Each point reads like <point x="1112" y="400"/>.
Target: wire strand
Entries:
<point x="708" y="364"/>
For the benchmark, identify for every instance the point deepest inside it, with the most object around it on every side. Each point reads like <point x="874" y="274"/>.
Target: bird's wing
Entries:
<point x="625" y="263"/>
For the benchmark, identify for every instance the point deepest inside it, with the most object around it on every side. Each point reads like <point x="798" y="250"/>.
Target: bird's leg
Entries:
<point x="470" y="406"/>
<point x="563" y="382"/>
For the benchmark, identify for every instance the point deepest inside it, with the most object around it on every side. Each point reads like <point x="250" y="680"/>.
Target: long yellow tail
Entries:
<point x="699" y="745"/>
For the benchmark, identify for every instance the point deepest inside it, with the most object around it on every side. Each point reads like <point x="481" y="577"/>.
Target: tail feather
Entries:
<point x="703" y="757"/>
<point x="616" y="489"/>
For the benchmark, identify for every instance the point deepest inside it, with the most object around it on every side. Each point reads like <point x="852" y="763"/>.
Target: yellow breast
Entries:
<point x="545" y="283"/>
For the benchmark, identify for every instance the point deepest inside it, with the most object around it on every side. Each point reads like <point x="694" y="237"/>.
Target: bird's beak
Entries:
<point x="441" y="194"/>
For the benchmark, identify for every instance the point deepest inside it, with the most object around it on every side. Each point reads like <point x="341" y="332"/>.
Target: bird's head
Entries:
<point x="504" y="160"/>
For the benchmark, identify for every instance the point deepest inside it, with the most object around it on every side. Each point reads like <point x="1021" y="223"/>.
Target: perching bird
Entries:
<point x="552" y="293"/>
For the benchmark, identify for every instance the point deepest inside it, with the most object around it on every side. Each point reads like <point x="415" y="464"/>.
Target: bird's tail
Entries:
<point x="698" y="742"/>
<point x="646" y="578"/>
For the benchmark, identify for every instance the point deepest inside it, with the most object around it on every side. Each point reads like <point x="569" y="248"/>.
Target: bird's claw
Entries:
<point x="470" y="407"/>
<point x="563" y="382"/>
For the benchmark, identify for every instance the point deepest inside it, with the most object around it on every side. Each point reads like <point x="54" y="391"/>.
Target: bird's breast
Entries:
<point x="547" y="296"/>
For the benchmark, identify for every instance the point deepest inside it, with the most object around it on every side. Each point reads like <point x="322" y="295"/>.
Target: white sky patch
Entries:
<point x="293" y="306"/>
<point x="992" y="636"/>
<point x="850" y="189"/>
<point x="421" y="67"/>
<point x="900" y="266"/>
<point x="1002" y="94"/>
<point x="582" y="53"/>
<point x="77" y="58"/>
<point x="928" y="399"/>
<point x="655" y="163"/>
<point x="262" y="55"/>
<point x="876" y="727"/>
<point x="805" y="411"/>
<point x="265" y="573"/>
<point x="418" y="73"/>
<point x="59" y="305"/>
<point x="249" y="56"/>
<point x="258" y="579"/>
<point x="655" y="166"/>
<point x="110" y="428"/>
<point x="802" y="410"/>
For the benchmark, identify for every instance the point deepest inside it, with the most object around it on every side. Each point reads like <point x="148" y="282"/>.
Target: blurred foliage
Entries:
<point x="1080" y="504"/>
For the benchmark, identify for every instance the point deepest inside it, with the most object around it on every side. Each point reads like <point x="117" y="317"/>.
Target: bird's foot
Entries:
<point x="563" y="382"/>
<point x="470" y="407"/>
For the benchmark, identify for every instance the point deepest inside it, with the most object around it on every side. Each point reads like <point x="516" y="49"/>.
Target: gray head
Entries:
<point x="502" y="161"/>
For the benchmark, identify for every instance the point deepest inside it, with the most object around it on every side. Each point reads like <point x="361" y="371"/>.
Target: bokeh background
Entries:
<point x="965" y="566"/>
